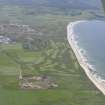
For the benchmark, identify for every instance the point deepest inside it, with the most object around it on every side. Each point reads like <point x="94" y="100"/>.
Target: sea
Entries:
<point x="90" y="38"/>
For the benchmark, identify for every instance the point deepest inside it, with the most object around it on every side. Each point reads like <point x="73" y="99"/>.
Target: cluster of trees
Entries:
<point x="35" y="44"/>
<point x="103" y="2"/>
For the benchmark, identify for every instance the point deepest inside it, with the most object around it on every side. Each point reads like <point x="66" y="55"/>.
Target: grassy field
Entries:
<point x="57" y="60"/>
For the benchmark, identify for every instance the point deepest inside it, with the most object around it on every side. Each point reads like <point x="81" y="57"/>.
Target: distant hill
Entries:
<point x="67" y="4"/>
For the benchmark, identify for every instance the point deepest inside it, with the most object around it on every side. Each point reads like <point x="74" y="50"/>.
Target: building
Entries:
<point x="4" y="39"/>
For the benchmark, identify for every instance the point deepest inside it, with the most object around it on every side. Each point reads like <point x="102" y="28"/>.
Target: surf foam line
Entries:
<point x="96" y="80"/>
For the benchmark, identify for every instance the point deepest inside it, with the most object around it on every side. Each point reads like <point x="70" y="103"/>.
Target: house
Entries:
<point x="5" y="40"/>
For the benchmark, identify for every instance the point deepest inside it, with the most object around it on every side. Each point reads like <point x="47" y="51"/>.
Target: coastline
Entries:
<point x="97" y="81"/>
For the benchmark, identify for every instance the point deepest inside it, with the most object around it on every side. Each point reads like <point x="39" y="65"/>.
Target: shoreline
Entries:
<point x="96" y="80"/>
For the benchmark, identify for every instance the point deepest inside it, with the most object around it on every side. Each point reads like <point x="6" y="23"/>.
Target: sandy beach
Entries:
<point x="97" y="81"/>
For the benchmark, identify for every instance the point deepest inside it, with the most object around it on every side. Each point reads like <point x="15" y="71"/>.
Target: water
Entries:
<point x="90" y="36"/>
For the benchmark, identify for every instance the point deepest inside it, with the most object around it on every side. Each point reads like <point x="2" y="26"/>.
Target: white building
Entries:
<point x="4" y="39"/>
